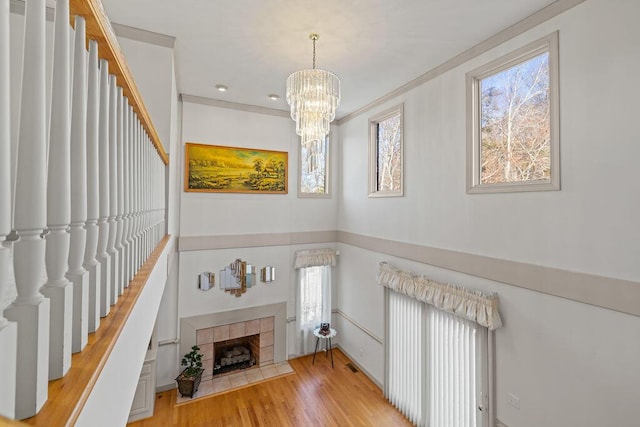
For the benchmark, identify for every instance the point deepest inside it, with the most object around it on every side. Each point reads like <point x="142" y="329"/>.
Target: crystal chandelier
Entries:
<point x="313" y="95"/>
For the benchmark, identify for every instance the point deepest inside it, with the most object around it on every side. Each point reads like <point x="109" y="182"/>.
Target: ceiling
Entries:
<point x="374" y="46"/>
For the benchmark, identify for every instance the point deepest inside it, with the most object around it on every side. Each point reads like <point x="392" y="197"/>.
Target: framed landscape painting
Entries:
<point x="218" y="169"/>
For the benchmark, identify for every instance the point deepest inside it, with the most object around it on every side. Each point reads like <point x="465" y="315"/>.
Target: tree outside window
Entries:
<point x="385" y="153"/>
<point x="314" y="169"/>
<point x="513" y="130"/>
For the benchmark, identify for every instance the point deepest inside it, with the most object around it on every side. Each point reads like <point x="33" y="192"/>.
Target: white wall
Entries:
<point x="194" y="301"/>
<point x="153" y="72"/>
<point x="225" y="213"/>
<point x="214" y="214"/>
<point x="167" y="358"/>
<point x="153" y="68"/>
<point x="589" y="226"/>
<point x="110" y="399"/>
<point x="569" y="363"/>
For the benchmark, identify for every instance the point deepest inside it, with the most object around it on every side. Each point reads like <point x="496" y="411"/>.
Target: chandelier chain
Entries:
<point x="314" y="37"/>
<point x="314" y="54"/>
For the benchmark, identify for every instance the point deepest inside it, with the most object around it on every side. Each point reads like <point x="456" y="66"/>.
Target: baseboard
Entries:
<point x="166" y="387"/>
<point x="359" y="366"/>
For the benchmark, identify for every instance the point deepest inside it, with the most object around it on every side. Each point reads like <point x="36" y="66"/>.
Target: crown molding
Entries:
<point x="543" y="15"/>
<point x="233" y="105"/>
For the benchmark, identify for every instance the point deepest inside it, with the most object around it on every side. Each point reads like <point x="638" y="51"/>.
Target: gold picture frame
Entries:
<point x="221" y="169"/>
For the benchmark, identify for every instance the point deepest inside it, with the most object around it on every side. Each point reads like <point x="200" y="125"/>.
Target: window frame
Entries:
<point x="373" y="152"/>
<point x="327" y="173"/>
<point x="548" y="44"/>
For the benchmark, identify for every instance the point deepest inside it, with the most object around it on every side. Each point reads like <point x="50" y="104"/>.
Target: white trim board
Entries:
<point x="349" y="319"/>
<point x="352" y="359"/>
<point x="606" y="292"/>
<point x="201" y="243"/>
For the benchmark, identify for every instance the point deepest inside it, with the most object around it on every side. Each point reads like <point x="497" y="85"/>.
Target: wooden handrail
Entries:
<point x="99" y="29"/>
<point x="68" y="395"/>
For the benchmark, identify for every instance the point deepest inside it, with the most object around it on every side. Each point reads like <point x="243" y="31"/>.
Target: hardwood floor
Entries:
<point x="316" y="395"/>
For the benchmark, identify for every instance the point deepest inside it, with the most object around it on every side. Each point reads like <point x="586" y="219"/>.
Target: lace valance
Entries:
<point x="315" y="258"/>
<point x="474" y="305"/>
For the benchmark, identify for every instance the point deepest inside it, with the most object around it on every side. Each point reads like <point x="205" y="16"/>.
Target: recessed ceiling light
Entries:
<point x="221" y="88"/>
<point x="274" y="97"/>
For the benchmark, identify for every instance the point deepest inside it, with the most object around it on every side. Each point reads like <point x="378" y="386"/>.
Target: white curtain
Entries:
<point x="314" y="304"/>
<point x="315" y="257"/>
<point x="313" y="293"/>
<point x="437" y="362"/>
<point x="404" y="382"/>
<point x="456" y="375"/>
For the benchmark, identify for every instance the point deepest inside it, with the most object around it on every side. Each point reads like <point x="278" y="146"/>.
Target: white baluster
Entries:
<point x="134" y="199"/>
<point x="8" y="330"/>
<point x="164" y="225"/>
<point x="77" y="274"/>
<point x="151" y="187"/>
<point x="58" y="289"/>
<point x="164" y="169"/>
<point x="113" y="187"/>
<point x="154" y="198"/>
<point x="30" y="309"/>
<point x="155" y="177"/>
<point x="140" y="198"/>
<point x="145" y="199"/>
<point x="120" y="183"/>
<point x="127" y="196"/>
<point x="91" y="264"/>
<point x="143" y="141"/>
<point x="159" y="197"/>
<point x="103" y="170"/>
<point x="150" y="199"/>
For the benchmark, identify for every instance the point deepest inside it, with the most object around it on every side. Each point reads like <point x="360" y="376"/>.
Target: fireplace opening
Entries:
<point x="236" y="354"/>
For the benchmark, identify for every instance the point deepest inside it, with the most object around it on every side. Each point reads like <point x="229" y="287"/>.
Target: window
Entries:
<point x="314" y="303"/>
<point x="385" y="153"/>
<point x="314" y="169"/>
<point x="512" y="121"/>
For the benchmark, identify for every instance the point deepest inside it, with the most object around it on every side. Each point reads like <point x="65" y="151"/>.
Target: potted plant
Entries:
<point x="189" y="379"/>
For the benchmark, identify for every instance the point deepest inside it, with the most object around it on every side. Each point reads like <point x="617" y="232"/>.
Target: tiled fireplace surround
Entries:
<point x="269" y="321"/>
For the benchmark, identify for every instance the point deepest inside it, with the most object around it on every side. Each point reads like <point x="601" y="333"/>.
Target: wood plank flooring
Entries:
<point x="316" y="395"/>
